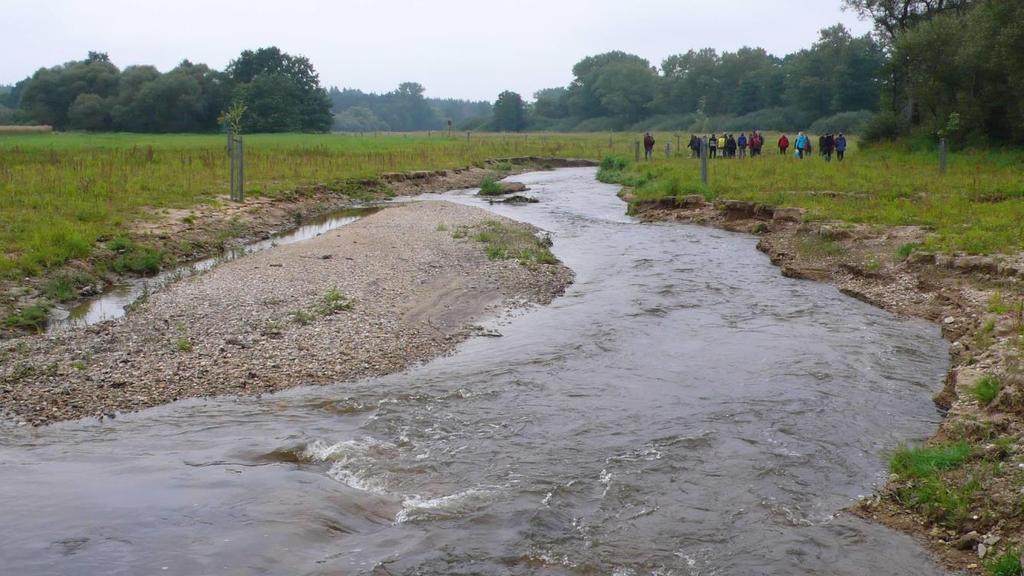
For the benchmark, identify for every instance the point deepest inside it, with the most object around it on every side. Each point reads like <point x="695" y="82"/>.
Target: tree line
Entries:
<point x="955" y="69"/>
<point x="404" y="109"/>
<point x="279" y="92"/>
<point x="834" y="82"/>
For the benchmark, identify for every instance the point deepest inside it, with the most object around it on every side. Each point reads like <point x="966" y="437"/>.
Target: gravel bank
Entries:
<point x="263" y="323"/>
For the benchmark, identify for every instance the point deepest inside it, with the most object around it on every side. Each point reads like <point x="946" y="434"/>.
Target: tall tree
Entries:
<point x="509" y="112"/>
<point x="281" y="92"/>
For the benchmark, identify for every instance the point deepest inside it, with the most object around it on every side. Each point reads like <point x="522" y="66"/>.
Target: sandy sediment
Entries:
<point x="278" y="319"/>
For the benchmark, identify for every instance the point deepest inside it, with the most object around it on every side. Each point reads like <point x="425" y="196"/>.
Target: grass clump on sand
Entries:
<point x="1006" y="564"/>
<point x="490" y="187"/>
<point x="507" y="240"/>
<point x="986" y="389"/>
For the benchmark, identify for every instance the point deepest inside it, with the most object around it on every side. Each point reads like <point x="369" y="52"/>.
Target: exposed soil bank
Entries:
<point x="374" y="297"/>
<point x="975" y="299"/>
<point x="207" y="230"/>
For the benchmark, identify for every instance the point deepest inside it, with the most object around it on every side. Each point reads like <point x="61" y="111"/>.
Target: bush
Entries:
<point x="885" y="126"/>
<point x="847" y="122"/>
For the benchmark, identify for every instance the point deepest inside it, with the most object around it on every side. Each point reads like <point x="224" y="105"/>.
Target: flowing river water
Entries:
<point x="683" y="409"/>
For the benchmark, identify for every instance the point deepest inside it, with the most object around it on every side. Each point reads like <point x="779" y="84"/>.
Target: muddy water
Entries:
<point x="683" y="409"/>
<point x="114" y="302"/>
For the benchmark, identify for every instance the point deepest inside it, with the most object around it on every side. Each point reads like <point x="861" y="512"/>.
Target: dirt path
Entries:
<point x="371" y="298"/>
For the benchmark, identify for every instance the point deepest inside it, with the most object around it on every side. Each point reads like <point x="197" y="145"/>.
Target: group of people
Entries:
<point x="828" y="144"/>
<point x="727" y="146"/>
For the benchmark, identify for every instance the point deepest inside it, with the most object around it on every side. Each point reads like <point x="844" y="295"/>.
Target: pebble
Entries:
<point x="137" y="361"/>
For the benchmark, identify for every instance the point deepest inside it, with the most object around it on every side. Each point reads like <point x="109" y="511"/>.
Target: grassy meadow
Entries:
<point x="976" y="207"/>
<point x="62" y="192"/>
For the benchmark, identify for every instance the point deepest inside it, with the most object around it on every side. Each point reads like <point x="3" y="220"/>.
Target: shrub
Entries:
<point x="848" y="122"/>
<point x="885" y="126"/>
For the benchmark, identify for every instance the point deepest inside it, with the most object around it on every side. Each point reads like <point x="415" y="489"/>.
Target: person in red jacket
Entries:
<point x="783" y="144"/>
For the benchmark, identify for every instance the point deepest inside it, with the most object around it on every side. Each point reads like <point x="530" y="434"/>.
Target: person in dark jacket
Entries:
<point x="840" y="147"/>
<point x="713" y="146"/>
<point x="828" y="146"/>
<point x="648" y="146"/>
<point x="783" y="144"/>
<point x="730" y="146"/>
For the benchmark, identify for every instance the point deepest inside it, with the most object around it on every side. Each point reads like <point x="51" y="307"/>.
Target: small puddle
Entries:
<point x="113" y="302"/>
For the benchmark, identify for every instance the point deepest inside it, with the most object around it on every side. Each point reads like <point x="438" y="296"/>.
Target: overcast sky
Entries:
<point x="455" y="48"/>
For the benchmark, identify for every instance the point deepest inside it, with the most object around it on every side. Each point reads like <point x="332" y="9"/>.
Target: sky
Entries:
<point x="471" y="49"/>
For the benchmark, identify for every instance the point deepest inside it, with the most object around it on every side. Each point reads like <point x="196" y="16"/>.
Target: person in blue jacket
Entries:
<point x="840" y="147"/>
<point x="801" y="144"/>
<point x="742" y="143"/>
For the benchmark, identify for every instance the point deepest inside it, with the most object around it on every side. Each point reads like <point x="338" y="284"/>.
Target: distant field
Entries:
<point x="976" y="207"/>
<point x="59" y="192"/>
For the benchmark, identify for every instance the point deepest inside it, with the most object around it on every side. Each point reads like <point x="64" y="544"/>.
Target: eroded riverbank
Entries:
<point x="375" y="297"/>
<point x="968" y="512"/>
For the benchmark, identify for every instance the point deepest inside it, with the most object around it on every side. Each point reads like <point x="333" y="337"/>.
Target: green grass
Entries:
<point x="926" y="489"/>
<point x="505" y="240"/>
<point x="334" y="301"/>
<point x="183" y="344"/>
<point x="1005" y="564"/>
<point x="31" y="318"/>
<point x="66" y="285"/>
<point x="489" y="187"/>
<point x="61" y="193"/>
<point x="905" y="250"/>
<point x="977" y="207"/>
<point x="996" y="305"/>
<point x="924" y="461"/>
<point x="986" y="389"/>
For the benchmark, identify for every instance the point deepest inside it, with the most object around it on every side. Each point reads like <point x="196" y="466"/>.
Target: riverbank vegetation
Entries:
<point x="977" y="206"/>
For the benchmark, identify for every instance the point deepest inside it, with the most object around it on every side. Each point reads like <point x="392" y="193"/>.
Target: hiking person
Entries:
<point x="757" y="142"/>
<point x="821" y="143"/>
<point x="694" y="146"/>
<point x="783" y="144"/>
<point x="840" y="147"/>
<point x="722" y="145"/>
<point x="713" y="146"/>
<point x="802" y="143"/>
<point x="830" y="143"/>
<point x="742" y="142"/>
<point x="730" y="146"/>
<point x="648" y="146"/>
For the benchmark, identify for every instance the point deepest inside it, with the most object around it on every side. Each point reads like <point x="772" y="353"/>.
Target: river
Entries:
<point x="683" y="409"/>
